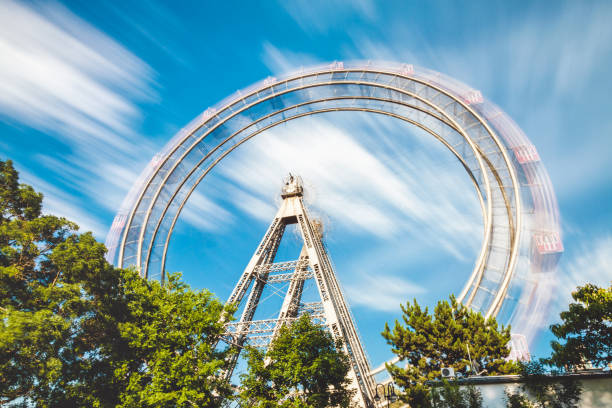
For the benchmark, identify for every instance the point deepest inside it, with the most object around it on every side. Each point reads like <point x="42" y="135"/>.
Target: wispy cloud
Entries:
<point x="61" y="74"/>
<point x="284" y="61"/>
<point x="381" y="292"/>
<point x="382" y="192"/>
<point x="201" y="212"/>
<point x="62" y="204"/>
<point x="64" y="77"/>
<point x="591" y="264"/>
<point x="320" y="16"/>
<point x="251" y="204"/>
<point x="157" y="23"/>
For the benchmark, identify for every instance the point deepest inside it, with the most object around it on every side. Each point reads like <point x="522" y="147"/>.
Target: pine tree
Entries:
<point x="427" y="343"/>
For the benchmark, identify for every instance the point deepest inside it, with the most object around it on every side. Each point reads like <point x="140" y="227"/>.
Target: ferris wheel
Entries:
<point x="521" y="238"/>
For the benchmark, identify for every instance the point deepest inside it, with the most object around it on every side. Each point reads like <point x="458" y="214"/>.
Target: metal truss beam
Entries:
<point x="281" y="266"/>
<point x="286" y="277"/>
<point x="261" y="326"/>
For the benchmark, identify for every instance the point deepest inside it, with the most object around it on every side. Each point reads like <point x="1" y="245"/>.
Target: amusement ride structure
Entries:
<point x="521" y="236"/>
<point x="313" y="263"/>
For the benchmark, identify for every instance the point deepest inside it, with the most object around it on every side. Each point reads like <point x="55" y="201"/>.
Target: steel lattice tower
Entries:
<point x="313" y="263"/>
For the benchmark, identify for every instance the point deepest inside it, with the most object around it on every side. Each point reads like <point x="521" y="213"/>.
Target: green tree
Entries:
<point x="37" y="312"/>
<point x="585" y="333"/>
<point x="171" y="337"/>
<point x="429" y="342"/>
<point x="77" y="332"/>
<point x="303" y="367"/>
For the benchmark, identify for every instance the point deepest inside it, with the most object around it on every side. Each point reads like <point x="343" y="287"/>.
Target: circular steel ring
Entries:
<point x="521" y="236"/>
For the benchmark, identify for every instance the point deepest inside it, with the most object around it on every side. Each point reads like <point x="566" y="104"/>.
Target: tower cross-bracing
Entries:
<point x="313" y="263"/>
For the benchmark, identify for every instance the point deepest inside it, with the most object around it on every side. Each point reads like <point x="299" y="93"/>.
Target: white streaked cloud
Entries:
<point x="202" y="212"/>
<point x="62" y="204"/>
<point x="591" y="264"/>
<point x="385" y="193"/>
<point x="381" y="292"/>
<point x="283" y="61"/>
<point x="97" y="177"/>
<point x="62" y="76"/>
<point x="320" y="16"/>
<point x="251" y="204"/>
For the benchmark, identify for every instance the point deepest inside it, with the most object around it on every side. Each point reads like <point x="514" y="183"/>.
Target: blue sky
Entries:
<point x="89" y="92"/>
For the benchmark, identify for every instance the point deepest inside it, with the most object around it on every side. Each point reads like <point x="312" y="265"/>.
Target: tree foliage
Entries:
<point x="585" y="333"/>
<point x="517" y="400"/>
<point x="77" y="332"/>
<point x="303" y="367"/>
<point x="427" y="342"/>
<point x="451" y="395"/>
<point x="547" y="389"/>
<point x="171" y="336"/>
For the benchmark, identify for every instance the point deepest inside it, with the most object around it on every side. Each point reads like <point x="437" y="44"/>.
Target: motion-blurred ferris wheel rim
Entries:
<point x="519" y="242"/>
